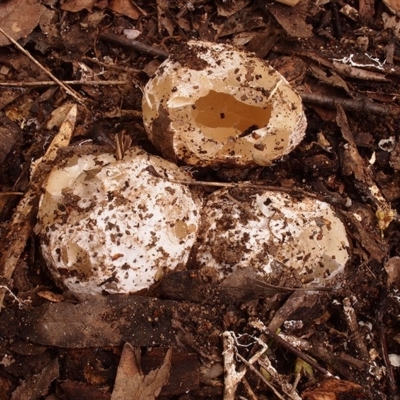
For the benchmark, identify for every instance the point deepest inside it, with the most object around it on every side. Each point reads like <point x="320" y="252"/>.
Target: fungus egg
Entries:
<point x="210" y="104"/>
<point x="271" y="232"/>
<point x="116" y="225"/>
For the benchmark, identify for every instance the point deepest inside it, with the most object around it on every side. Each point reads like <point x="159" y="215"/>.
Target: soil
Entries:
<point x="244" y="337"/>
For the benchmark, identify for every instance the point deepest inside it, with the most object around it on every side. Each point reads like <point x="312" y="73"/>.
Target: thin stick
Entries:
<point x="11" y="193"/>
<point x="232" y="376"/>
<point x="361" y="105"/>
<point x="134" y="44"/>
<point x="247" y="363"/>
<point x="70" y="91"/>
<point x="243" y="185"/>
<point x="259" y="325"/>
<point x="52" y="83"/>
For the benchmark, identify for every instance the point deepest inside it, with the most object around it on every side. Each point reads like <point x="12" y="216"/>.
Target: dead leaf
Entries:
<point x="354" y="164"/>
<point x="132" y="384"/>
<point x="240" y="22"/>
<point x="50" y="296"/>
<point x="335" y="389"/>
<point x="165" y="18"/>
<point x="127" y="8"/>
<point x="331" y="79"/>
<point x="38" y="385"/>
<point x="78" y="5"/>
<point x="18" y="18"/>
<point x="293" y="20"/>
<point x="392" y="268"/>
<point x="370" y="242"/>
<point x="393" y="5"/>
<point x="228" y="8"/>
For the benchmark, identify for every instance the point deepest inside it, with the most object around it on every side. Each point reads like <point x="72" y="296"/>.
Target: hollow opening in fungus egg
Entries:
<point x="221" y="116"/>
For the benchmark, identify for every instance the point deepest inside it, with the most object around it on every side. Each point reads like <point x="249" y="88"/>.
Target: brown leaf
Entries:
<point x="392" y="268"/>
<point x="127" y="8"/>
<point x="18" y="18"/>
<point x="38" y="385"/>
<point x="78" y="5"/>
<point x="292" y="20"/>
<point x="335" y="389"/>
<point x="131" y="383"/>
<point x="353" y="163"/>
<point x="228" y="8"/>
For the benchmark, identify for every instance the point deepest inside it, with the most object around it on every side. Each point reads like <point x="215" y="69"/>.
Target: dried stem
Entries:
<point x="70" y="91"/>
<point x="260" y="326"/>
<point x="244" y="185"/>
<point x="232" y="377"/>
<point x="52" y="83"/>
<point x="134" y="44"/>
<point x="363" y="106"/>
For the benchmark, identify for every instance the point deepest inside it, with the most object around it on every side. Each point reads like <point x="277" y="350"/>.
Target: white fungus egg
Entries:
<point x="271" y="232"/>
<point x="116" y="225"/>
<point x="210" y="104"/>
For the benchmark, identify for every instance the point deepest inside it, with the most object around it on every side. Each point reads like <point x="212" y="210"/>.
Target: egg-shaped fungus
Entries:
<point x="212" y="104"/>
<point x="116" y="225"/>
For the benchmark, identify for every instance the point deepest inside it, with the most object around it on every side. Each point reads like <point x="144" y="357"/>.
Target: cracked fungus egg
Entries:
<point x="272" y="233"/>
<point x="210" y="104"/>
<point x="115" y="225"/>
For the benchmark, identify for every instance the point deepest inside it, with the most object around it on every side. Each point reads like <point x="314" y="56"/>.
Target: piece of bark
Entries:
<point x="105" y="321"/>
<point x="241" y="286"/>
<point x="132" y="383"/>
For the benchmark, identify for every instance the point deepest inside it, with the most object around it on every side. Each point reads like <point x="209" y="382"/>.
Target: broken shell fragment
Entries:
<point x="214" y="105"/>
<point x="271" y="233"/>
<point x="116" y="226"/>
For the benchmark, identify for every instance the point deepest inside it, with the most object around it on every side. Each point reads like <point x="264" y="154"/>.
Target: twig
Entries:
<point x="70" y="91"/>
<point x="232" y="377"/>
<point x="21" y="303"/>
<point x="250" y="393"/>
<point x="260" y="326"/>
<point x="11" y="193"/>
<point x="244" y="185"/>
<point x="52" y="83"/>
<point x="362" y="105"/>
<point x="259" y="374"/>
<point x="134" y="44"/>
<point x="393" y="387"/>
<point x="352" y="324"/>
